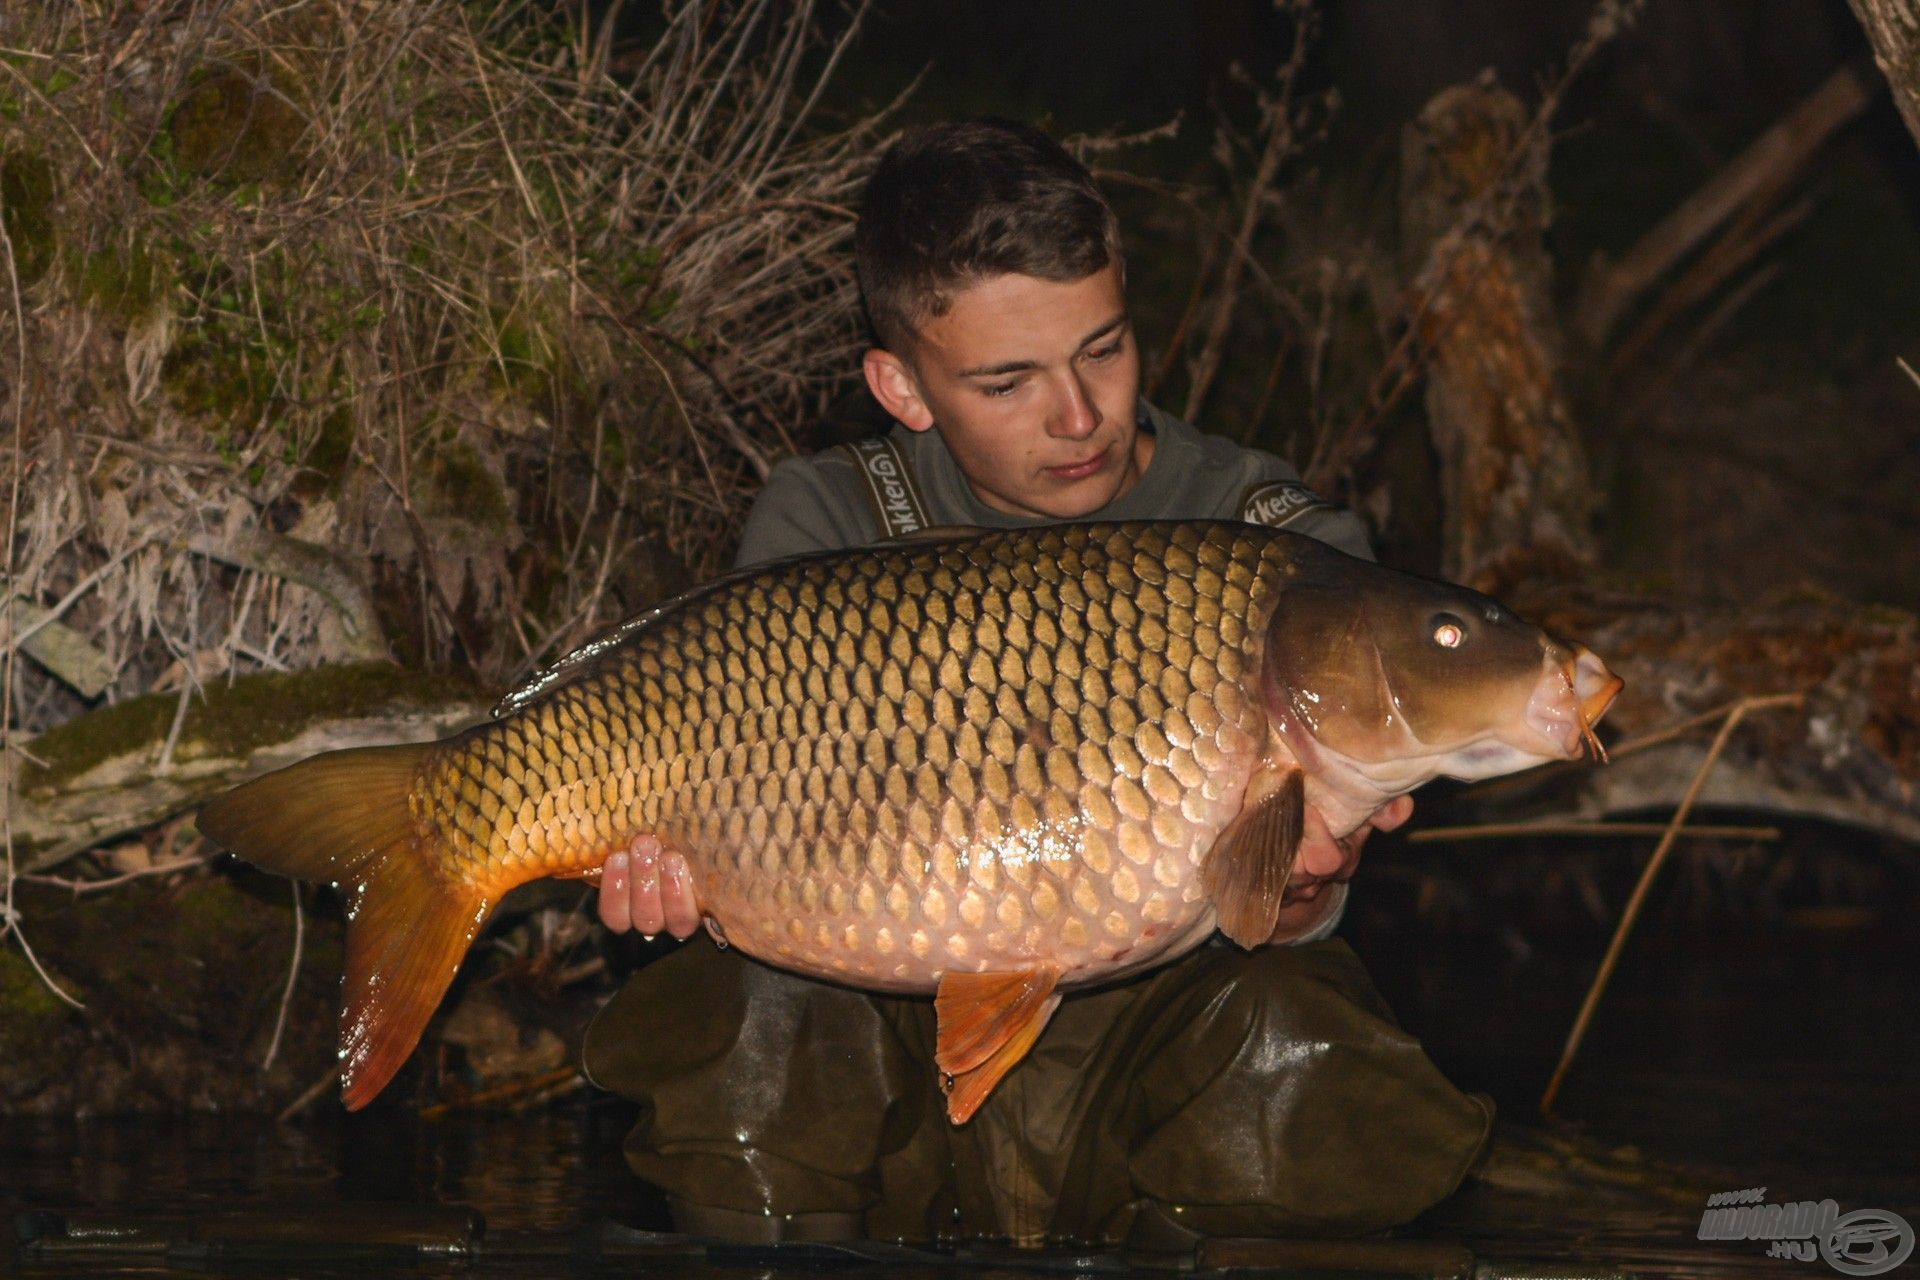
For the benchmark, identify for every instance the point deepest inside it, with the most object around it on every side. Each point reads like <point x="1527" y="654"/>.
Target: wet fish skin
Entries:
<point x="1032" y="752"/>
<point x="886" y="767"/>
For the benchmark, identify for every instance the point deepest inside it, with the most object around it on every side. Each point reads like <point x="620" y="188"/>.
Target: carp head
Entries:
<point x="1379" y="681"/>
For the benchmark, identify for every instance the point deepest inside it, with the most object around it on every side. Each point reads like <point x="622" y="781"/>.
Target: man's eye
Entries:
<point x="1000" y="388"/>
<point x="1104" y="353"/>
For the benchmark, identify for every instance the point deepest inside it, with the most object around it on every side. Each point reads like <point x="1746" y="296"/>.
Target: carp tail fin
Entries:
<point x="1246" y="871"/>
<point x="345" y="817"/>
<point x="987" y="1023"/>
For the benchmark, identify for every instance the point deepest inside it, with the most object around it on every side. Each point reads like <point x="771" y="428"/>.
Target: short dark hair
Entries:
<point x="954" y="204"/>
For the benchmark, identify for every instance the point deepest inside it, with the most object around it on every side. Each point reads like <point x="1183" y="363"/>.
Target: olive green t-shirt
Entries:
<point x="825" y="502"/>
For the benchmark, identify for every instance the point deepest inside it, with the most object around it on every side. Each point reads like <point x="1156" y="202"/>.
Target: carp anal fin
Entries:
<point x="1246" y="872"/>
<point x="987" y="1023"/>
<point x="344" y="817"/>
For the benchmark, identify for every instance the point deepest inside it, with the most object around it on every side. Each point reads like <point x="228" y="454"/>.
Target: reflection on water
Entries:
<point x="1788" y="1070"/>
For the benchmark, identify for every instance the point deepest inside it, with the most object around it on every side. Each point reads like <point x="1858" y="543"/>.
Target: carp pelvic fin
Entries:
<point x="988" y="1022"/>
<point x="1246" y="872"/>
<point x="344" y="817"/>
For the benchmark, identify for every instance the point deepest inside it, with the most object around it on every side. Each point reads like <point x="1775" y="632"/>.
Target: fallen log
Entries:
<point x="100" y="775"/>
<point x="1852" y="757"/>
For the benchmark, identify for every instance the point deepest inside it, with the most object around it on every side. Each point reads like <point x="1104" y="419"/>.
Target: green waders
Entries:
<point x="1234" y="1093"/>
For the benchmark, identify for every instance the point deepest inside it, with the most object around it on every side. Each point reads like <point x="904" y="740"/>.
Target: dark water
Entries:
<point x="1792" y="1068"/>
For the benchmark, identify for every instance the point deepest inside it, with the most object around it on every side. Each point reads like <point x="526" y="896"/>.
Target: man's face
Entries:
<point x="1032" y="385"/>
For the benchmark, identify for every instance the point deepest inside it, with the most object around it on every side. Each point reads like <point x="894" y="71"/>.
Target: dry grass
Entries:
<point x="424" y="288"/>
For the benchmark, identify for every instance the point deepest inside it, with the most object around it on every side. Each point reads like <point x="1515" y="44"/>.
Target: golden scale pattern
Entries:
<point x="965" y="756"/>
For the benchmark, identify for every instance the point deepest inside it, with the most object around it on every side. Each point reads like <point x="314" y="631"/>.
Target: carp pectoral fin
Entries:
<point x="344" y="817"/>
<point x="1246" y="872"/>
<point x="987" y="1023"/>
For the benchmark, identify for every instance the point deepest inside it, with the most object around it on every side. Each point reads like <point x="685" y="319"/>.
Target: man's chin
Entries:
<point x="1079" y="500"/>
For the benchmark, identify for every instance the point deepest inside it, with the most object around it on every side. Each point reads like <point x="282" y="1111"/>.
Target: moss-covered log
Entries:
<point x="109" y="772"/>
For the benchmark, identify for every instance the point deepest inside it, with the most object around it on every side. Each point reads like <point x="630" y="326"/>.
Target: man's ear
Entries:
<point x="897" y="390"/>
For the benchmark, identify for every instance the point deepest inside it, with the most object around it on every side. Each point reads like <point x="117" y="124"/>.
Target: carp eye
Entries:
<point x="1448" y="631"/>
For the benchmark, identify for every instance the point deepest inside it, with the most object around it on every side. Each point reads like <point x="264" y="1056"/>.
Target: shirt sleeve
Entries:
<point x="1337" y="527"/>
<point x="802" y="508"/>
<point x="1280" y="499"/>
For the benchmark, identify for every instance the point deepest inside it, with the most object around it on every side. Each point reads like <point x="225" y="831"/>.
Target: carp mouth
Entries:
<point x="1574" y="692"/>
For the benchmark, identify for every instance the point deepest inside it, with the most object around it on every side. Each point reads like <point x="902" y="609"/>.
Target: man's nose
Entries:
<point x="1076" y="416"/>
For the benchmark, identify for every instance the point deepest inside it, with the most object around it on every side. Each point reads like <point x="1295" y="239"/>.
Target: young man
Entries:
<point x="1229" y="1093"/>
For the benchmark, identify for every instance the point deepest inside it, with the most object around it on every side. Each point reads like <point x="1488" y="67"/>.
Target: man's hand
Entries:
<point x="1324" y="861"/>
<point x="648" y="888"/>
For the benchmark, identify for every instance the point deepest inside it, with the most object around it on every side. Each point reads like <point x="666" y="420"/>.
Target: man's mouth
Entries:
<point x="1082" y="469"/>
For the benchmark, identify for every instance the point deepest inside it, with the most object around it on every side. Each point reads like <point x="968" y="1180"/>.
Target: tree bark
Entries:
<point x="1852" y="756"/>
<point x="99" y="776"/>
<point x="1893" y="27"/>
<point x="1517" y="493"/>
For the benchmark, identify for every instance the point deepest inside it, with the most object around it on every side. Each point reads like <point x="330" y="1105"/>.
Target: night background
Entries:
<point x="357" y="363"/>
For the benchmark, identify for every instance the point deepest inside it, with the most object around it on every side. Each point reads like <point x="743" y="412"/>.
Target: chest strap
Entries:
<point x="891" y="490"/>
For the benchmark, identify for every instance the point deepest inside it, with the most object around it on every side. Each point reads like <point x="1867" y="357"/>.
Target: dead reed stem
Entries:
<point x="308" y="1096"/>
<point x="1631" y="913"/>
<point x="1520" y="830"/>
<point x="293" y="978"/>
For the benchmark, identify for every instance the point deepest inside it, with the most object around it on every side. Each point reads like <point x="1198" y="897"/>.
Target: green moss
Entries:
<point x="214" y="912"/>
<point x="530" y="354"/>
<point x="29" y="1013"/>
<point x="27" y="206"/>
<point x="529" y="362"/>
<point x="613" y="449"/>
<point x="327" y="457"/>
<point x="127" y="282"/>
<point x="240" y="130"/>
<point x="458" y="484"/>
<point x="232" y="720"/>
<point x="219" y="371"/>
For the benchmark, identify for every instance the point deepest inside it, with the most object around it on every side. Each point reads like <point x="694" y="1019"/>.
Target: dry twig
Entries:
<point x="293" y="978"/>
<point x="1612" y="830"/>
<point x="1279" y="119"/>
<point x="1637" y="901"/>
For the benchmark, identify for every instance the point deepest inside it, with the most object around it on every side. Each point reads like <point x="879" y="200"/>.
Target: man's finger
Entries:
<point x="1393" y="813"/>
<point x="1320" y="855"/>
<point x="648" y="916"/>
<point x="676" y="896"/>
<point x="616" y="909"/>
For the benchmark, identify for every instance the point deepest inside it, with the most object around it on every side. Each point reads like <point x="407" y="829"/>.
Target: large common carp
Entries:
<point x="992" y="766"/>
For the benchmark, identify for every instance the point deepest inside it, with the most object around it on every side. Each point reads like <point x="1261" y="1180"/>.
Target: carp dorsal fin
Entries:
<point x="1246" y="872"/>
<point x="988" y="1022"/>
